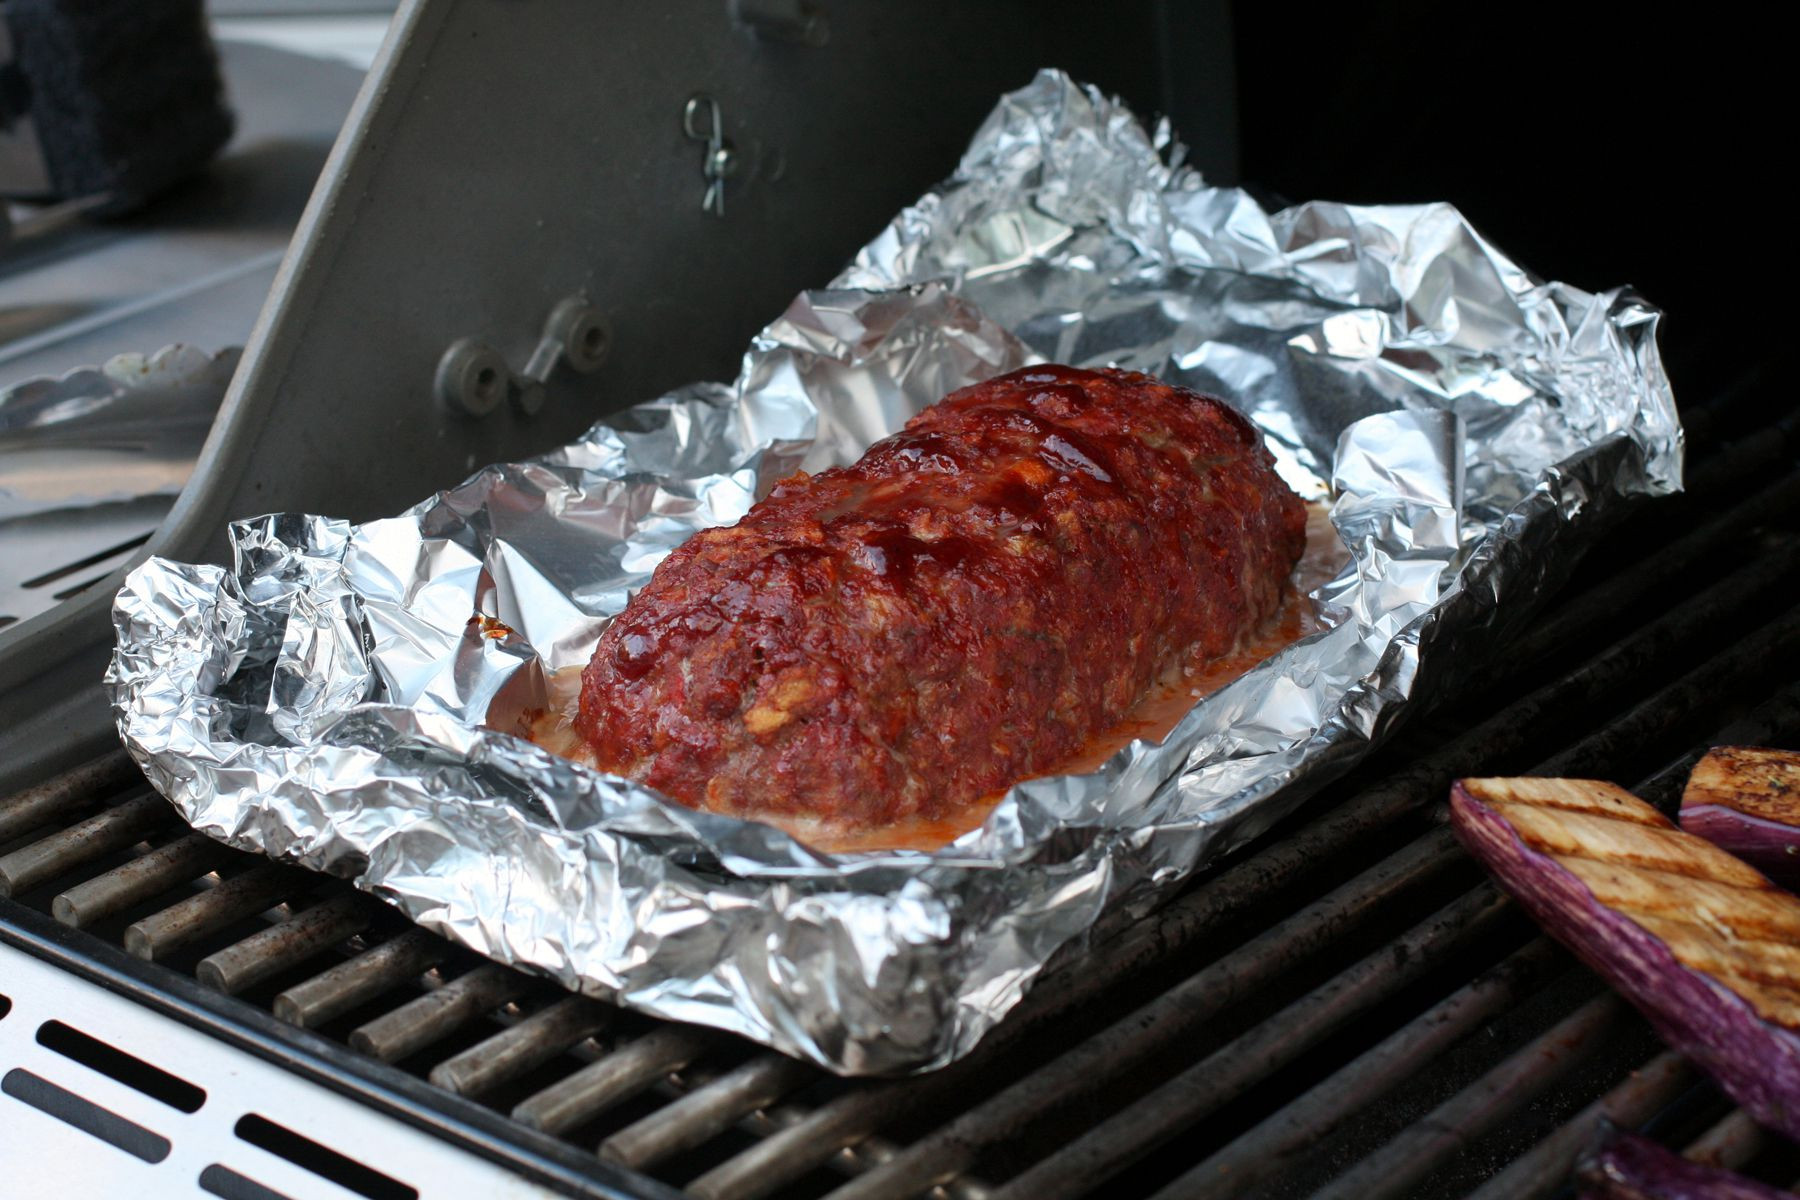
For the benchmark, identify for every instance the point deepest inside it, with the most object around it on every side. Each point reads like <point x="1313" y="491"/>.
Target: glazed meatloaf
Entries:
<point x="963" y="607"/>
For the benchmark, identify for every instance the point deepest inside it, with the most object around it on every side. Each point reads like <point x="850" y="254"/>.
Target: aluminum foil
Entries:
<point x="328" y="698"/>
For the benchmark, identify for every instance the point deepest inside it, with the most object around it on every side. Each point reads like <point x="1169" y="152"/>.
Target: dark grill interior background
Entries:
<point x="1347" y="1010"/>
<point x="1595" y="144"/>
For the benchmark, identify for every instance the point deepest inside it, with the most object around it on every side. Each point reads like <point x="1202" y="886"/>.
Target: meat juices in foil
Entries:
<point x="343" y="695"/>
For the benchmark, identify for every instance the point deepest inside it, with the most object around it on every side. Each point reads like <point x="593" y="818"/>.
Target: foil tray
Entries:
<point x="326" y="700"/>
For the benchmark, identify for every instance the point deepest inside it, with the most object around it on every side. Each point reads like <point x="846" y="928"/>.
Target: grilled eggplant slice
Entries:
<point x="1629" y="1167"/>
<point x="1746" y="800"/>
<point x="1700" y="941"/>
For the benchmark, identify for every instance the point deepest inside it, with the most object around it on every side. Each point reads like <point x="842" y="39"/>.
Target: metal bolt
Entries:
<point x="472" y="377"/>
<point x="581" y="332"/>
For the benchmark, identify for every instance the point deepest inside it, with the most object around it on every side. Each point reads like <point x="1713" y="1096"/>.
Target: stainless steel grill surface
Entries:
<point x="1348" y="1010"/>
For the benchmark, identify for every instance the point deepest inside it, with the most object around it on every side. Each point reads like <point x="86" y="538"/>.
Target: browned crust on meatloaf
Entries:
<point x="965" y="605"/>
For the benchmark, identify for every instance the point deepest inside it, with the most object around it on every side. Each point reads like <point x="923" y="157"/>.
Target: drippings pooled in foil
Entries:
<point x="324" y="699"/>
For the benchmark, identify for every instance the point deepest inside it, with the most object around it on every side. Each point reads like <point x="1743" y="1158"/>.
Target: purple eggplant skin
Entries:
<point x="1755" y="1061"/>
<point x="1769" y="846"/>
<point x="1629" y="1167"/>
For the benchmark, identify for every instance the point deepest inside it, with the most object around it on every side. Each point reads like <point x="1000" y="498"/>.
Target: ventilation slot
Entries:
<point x="85" y="1115"/>
<point x="128" y="1069"/>
<point x="5" y="1006"/>
<point x="227" y="1183"/>
<point x="321" y="1161"/>
<point x="63" y="572"/>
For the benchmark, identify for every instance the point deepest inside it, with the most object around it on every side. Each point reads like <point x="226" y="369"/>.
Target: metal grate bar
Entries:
<point x="866" y="1155"/>
<point x="1732" y="1142"/>
<point x="1408" y="1159"/>
<point x="1201" y="1090"/>
<point x="1544" y="1169"/>
<point x="108" y="830"/>
<point x="356" y="980"/>
<point x="285" y="944"/>
<point x="80" y="788"/>
<point x="436" y="1015"/>
<point x="818" y="1137"/>
<point x="1769" y="448"/>
<point x="706" y="1111"/>
<point x="143" y="878"/>
<point x="1728" y="407"/>
<point x="1759" y="655"/>
<point x="236" y="898"/>
<point x="531" y="1042"/>
<point x="616" y="1076"/>
<point x="1129" y="1043"/>
<point x="1290" y="1134"/>
<point x="1652" y="574"/>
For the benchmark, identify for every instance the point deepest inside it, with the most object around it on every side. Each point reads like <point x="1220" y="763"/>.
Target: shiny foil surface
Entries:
<point x="324" y="699"/>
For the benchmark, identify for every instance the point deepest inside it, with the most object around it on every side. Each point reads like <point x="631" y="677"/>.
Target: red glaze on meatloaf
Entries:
<point x="964" y="606"/>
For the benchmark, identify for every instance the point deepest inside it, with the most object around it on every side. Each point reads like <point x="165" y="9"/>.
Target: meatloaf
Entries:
<point x="963" y="607"/>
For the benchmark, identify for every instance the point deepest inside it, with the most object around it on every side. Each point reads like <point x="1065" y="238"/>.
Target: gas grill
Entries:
<point x="1347" y="1009"/>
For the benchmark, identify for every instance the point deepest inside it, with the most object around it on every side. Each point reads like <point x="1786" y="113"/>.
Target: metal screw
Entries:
<point x="472" y="377"/>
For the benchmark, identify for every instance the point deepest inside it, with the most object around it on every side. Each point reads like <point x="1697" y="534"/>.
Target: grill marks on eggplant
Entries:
<point x="1748" y="779"/>
<point x="1704" y="945"/>
<point x="1746" y="800"/>
<point x="1715" y="913"/>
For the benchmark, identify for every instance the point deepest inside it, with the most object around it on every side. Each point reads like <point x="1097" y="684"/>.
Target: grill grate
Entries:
<point x="1348" y="1010"/>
